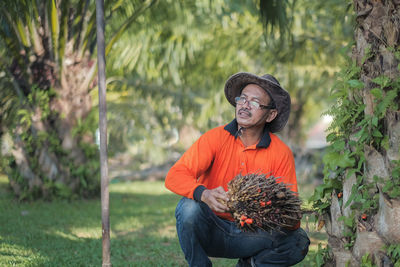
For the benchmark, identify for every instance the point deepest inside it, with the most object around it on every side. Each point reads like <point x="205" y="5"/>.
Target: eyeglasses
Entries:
<point x="241" y="100"/>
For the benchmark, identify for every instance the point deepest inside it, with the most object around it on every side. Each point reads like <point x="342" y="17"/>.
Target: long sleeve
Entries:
<point x="182" y="178"/>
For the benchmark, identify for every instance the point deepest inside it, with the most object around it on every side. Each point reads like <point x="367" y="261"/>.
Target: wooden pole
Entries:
<point x="105" y="215"/>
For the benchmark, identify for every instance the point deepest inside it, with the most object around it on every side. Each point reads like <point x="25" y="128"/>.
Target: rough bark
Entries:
<point x="38" y="162"/>
<point x="377" y="31"/>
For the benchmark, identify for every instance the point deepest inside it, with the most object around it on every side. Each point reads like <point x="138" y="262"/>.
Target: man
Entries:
<point x="245" y="145"/>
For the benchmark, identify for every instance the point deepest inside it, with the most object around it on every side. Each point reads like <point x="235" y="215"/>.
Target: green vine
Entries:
<point x="350" y="229"/>
<point x="392" y="186"/>
<point x="322" y="255"/>
<point x="349" y="133"/>
<point x="393" y="251"/>
<point x="347" y="111"/>
<point x="366" y="261"/>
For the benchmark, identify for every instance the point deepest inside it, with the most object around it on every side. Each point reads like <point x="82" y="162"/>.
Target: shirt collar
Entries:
<point x="265" y="140"/>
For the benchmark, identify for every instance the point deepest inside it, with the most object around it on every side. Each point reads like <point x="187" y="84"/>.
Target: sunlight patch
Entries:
<point x="169" y="231"/>
<point x="15" y="255"/>
<point x="87" y="232"/>
<point x="140" y="187"/>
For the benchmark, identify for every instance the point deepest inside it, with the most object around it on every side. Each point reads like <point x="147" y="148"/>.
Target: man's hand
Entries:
<point x="212" y="198"/>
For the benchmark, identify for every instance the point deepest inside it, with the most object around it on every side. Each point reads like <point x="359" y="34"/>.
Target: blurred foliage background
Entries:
<point x="166" y="74"/>
<point x="167" y="62"/>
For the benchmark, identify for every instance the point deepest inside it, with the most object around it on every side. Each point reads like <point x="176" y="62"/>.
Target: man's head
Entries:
<point x="254" y="107"/>
<point x="258" y="100"/>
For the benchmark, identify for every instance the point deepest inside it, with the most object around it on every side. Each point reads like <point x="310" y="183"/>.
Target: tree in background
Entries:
<point x="359" y="201"/>
<point x="166" y="71"/>
<point x="193" y="54"/>
<point x="48" y="67"/>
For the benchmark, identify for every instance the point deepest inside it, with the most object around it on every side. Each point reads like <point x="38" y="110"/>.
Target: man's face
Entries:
<point x="248" y="116"/>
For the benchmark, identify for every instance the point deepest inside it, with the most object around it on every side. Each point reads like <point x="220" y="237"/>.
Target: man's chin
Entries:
<point x="243" y="123"/>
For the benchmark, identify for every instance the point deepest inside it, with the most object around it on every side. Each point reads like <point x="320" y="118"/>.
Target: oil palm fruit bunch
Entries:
<point x="261" y="201"/>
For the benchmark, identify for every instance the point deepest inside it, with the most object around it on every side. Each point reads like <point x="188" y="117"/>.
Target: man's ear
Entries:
<point x="272" y="115"/>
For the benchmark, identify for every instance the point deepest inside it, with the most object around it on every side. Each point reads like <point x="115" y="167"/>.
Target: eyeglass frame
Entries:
<point x="260" y="106"/>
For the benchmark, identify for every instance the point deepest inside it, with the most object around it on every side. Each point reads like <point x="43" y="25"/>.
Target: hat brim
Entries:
<point x="235" y="84"/>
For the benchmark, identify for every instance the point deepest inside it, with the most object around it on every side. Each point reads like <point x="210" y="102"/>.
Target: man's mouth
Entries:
<point x="244" y="112"/>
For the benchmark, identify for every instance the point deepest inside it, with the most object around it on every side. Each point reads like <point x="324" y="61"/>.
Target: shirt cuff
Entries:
<point x="198" y="192"/>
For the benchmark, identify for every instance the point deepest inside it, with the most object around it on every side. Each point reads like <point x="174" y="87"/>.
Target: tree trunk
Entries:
<point x="377" y="38"/>
<point x="48" y="58"/>
<point x="54" y="155"/>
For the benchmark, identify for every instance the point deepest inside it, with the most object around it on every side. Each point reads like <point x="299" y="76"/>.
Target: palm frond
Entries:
<point x="276" y="18"/>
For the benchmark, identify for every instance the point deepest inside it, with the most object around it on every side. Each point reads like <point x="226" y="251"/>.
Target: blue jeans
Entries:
<point x="202" y="234"/>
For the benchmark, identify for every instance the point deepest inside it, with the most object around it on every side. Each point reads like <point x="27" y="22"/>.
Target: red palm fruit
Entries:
<point x="249" y="221"/>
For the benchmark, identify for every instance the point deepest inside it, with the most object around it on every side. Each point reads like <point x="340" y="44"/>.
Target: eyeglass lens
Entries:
<point x="242" y="100"/>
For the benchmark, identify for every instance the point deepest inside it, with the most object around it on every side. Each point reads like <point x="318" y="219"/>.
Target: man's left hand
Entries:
<point x="213" y="197"/>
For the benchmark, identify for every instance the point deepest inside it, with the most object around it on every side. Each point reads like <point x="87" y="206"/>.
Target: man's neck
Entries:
<point x="251" y="136"/>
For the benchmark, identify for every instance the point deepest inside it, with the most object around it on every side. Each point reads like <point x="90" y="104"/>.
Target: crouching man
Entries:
<point x="245" y="145"/>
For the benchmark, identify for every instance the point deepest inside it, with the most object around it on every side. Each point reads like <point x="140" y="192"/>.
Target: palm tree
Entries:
<point x="48" y="68"/>
<point x="360" y="197"/>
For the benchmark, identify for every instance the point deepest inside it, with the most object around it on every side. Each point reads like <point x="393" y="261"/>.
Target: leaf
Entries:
<point x="63" y="190"/>
<point x="386" y="102"/>
<point x="339" y="145"/>
<point x="334" y="184"/>
<point x="55" y="26"/>
<point x="375" y="121"/>
<point x="351" y="172"/>
<point x="348" y="221"/>
<point x="353" y="195"/>
<point x="35" y="38"/>
<point x="396" y="170"/>
<point x="377" y="133"/>
<point x="338" y="159"/>
<point x="318" y="193"/>
<point x="331" y="137"/>
<point x="385" y="142"/>
<point x="383" y="81"/>
<point x="83" y="181"/>
<point x="22" y="33"/>
<point x="324" y="205"/>
<point x="388" y="185"/>
<point x="64" y="30"/>
<point x="145" y="5"/>
<point x="357" y="84"/>
<point x="377" y="92"/>
<point x="395" y="192"/>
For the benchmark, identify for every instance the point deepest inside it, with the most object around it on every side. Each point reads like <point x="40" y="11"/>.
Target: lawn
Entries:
<point x="68" y="233"/>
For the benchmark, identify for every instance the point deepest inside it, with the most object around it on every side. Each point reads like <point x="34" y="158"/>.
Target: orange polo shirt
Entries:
<point x="218" y="156"/>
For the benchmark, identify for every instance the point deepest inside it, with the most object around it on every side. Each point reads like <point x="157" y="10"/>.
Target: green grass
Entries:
<point x="63" y="233"/>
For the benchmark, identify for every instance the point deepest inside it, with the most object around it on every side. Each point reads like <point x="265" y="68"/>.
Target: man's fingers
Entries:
<point x="219" y="189"/>
<point x="221" y="193"/>
<point x="211" y="198"/>
<point x="218" y="207"/>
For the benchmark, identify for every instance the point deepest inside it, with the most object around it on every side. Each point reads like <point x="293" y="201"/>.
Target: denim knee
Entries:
<point x="188" y="212"/>
<point x="288" y="250"/>
<point x="301" y="248"/>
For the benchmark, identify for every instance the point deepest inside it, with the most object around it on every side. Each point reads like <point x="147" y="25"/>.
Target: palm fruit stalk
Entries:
<point x="259" y="201"/>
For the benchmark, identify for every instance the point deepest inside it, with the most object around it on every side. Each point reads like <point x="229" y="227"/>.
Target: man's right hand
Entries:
<point x="211" y="197"/>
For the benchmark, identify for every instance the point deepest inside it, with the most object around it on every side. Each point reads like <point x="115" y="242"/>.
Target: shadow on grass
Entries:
<point x="69" y="233"/>
<point x="63" y="233"/>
